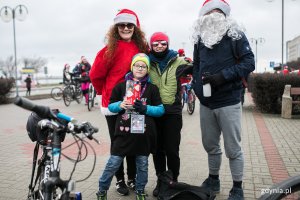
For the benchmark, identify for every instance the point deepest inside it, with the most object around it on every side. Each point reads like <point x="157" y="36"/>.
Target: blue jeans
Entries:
<point x="112" y="167"/>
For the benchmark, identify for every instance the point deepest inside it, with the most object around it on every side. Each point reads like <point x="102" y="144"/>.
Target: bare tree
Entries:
<point x="35" y="63"/>
<point x="8" y="67"/>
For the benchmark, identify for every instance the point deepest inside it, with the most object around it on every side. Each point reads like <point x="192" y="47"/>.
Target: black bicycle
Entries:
<point x="48" y="129"/>
<point x="73" y="91"/>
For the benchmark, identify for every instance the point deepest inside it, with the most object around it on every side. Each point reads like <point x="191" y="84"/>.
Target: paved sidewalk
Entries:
<point x="271" y="145"/>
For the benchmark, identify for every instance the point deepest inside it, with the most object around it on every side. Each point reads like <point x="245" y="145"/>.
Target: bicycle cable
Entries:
<point x="79" y="159"/>
<point x="94" y="164"/>
<point x="78" y="156"/>
<point x="71" y="159"/>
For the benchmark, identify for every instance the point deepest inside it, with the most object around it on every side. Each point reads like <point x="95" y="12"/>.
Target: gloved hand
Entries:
<point x="140" y="107"/>
<point x="215" y="80"/>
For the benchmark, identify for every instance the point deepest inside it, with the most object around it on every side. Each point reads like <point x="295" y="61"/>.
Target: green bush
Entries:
<point x="5" y="87"/>
<point x="267" y="90"/>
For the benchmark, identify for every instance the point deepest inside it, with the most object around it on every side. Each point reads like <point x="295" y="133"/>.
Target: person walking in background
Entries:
<point x="135" y="131"/>
<point x="28" y="82"/>
<point x="112" y="63"/>
<point x="83" y="69"/>
<point x="217" y="39"/>
<point x="166" y="69"/>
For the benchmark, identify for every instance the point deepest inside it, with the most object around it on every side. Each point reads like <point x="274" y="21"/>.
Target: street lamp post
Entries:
<point x="257" y="41"/>
<point x="7" y="14"/>
<point x="282" y="30"/>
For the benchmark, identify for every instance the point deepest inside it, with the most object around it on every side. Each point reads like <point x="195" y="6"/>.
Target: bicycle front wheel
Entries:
<point x="78" y="95"/>
<point x="56" y="93"/>
<point x="191" y="102"/>
<point x="287" y="188"/>
<point x="68" y="95"/>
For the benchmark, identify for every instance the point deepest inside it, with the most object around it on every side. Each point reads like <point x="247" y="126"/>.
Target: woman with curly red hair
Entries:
<point x="112" y="63"/>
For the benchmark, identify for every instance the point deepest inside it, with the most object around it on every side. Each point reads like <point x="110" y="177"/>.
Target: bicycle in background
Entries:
<point x="187" y="94"/>
<point x="57" y="93"/>
<point x="73" y="91"/>
<point x="91" y="97"/>
<point x="48" y="128"/>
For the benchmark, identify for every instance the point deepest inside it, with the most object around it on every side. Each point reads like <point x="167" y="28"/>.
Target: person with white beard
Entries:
<point x="222" y="57"/>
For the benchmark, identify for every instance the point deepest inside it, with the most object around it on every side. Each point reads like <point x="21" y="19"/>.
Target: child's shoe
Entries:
<point x="101" y="195"/>
<point x="140" y="195"/>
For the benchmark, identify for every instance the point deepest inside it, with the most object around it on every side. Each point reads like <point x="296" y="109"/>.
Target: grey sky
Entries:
<point x="62" y="31"/>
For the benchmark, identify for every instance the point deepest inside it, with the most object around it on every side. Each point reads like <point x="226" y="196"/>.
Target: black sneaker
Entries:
<point x="236" y="194"/>
<point x="213" y="185"/>
<point x="122" y="188"/>
<point x="131" y="184"/>
<point x="101" y="195"/>
<point x="156" y="190"/>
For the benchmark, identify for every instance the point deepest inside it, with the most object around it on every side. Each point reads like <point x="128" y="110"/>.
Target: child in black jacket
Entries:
<point x="135" y="132"/>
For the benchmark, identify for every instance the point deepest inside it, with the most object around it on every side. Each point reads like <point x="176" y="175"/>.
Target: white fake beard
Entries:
<point x="212" y="28"/>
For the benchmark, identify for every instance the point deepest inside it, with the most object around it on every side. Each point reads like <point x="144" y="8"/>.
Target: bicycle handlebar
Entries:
<point x="46" y="112"/>
<point x="84" y="127"/>
<point x="41" y="111"/>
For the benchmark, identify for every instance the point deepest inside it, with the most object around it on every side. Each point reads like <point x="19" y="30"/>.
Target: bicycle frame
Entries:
<point x="54" y="176"/>
<point x="49" y="165"/>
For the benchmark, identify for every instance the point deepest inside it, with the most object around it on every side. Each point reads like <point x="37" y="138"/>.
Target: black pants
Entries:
<point x="130" y="160"/>
<point x="168" y="141"/>
<point x="28" y="91"/>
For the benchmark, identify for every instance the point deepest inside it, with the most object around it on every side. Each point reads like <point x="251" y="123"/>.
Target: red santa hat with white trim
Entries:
<point x="127" y="16"/>
<point x="210" y="5"/>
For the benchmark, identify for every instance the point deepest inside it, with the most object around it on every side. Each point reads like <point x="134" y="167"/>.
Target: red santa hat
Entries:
<point x="127" y="16"/>
<point x="210" y="5"/>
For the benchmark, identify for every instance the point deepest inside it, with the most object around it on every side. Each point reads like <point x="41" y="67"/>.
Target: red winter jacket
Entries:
<point x="105" y="76"/>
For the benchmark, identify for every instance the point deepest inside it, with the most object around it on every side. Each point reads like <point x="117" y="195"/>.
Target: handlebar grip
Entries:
<point x="41" y="111"/>
<point x="24" y="103"/>
<point x="66" y="117"/>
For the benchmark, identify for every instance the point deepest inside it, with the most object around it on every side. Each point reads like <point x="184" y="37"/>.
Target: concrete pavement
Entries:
<point x="270" y="143"/>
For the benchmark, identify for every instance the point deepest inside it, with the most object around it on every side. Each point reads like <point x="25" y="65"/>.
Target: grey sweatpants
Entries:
<point x="225" y="120"/>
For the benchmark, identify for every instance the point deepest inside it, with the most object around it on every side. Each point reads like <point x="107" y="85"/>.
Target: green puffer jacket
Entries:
<point x="168" y="82"/>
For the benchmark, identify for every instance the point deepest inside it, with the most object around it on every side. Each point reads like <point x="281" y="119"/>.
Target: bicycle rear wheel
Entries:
<point x="191" y="102"/>
<point x="91" y="97"/>
<point x="68" y="95"/>
<point x="287" y="188"/>
<point x="183" y="95"/>
<point x="56" y="93"/>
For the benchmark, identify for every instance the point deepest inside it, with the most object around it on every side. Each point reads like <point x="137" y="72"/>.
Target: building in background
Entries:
<point x="293" y="49"/>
